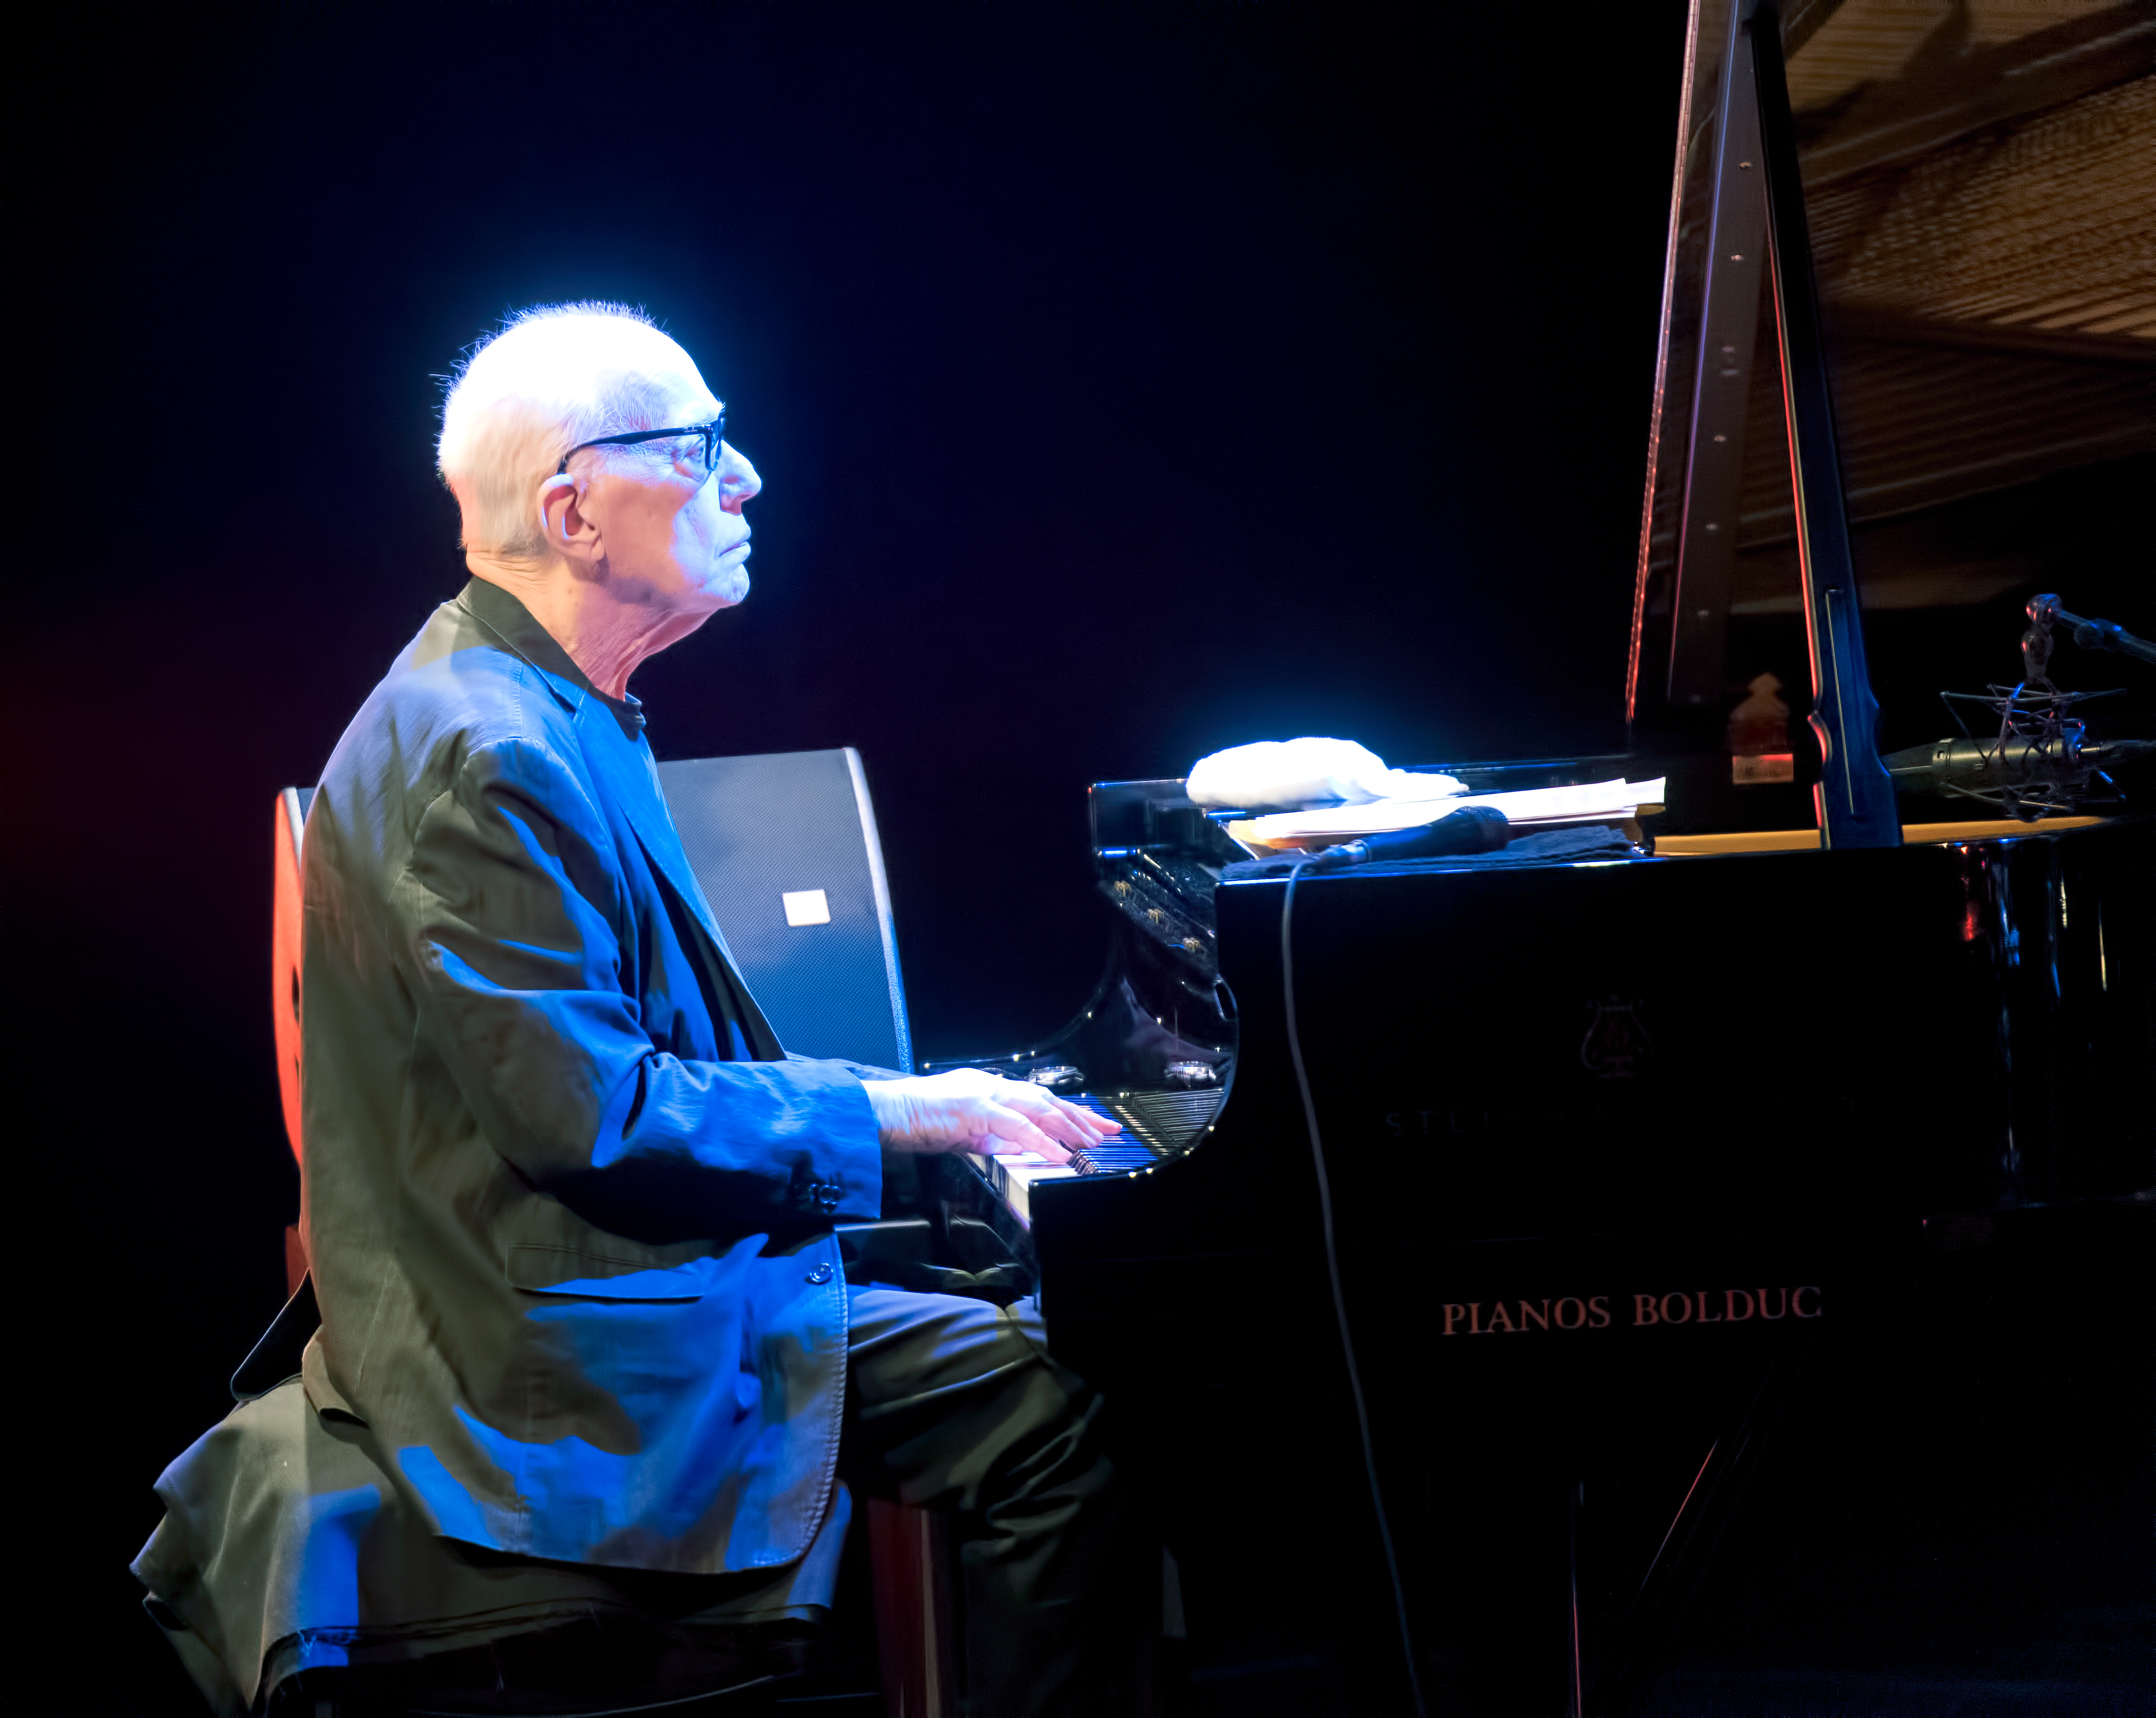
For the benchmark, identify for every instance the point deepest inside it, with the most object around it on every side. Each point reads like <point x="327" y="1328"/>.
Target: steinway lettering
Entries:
<point x="1592" y="1312"/>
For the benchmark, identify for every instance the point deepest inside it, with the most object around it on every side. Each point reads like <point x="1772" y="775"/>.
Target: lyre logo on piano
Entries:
<point x="1516" y="1315"/>
<point x="1616" y="1046"/>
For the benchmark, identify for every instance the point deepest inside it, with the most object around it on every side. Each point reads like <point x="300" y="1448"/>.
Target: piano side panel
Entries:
<point x="1666" y="1129"/>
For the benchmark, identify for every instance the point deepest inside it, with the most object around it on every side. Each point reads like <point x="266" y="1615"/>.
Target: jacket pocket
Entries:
<point x="541" y="1270"/>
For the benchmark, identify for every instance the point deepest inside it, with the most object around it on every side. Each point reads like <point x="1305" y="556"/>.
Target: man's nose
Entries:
<point x="735" y="477"/>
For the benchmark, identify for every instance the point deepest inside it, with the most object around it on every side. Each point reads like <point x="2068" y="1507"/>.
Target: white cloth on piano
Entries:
<point x="1287" y="775"/>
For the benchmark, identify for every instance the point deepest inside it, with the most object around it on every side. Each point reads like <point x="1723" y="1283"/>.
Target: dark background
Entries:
<point x="1128" y="381"/>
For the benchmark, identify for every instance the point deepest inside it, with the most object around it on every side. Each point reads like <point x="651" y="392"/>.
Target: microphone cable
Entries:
<point x="1339" y="1295"/>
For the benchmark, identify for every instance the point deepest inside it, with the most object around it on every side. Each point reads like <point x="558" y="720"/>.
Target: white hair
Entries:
<point x="555" y="375"/>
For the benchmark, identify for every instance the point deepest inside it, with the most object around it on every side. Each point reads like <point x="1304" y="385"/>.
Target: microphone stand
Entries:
<point x="2090" y="634"/>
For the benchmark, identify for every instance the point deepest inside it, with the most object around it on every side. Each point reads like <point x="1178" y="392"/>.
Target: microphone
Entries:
<point x="2019" y="759"/>
<point x="1473" y="828"/>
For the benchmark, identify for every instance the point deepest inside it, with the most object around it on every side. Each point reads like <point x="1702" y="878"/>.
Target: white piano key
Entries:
<point x="1014" y="1174"/>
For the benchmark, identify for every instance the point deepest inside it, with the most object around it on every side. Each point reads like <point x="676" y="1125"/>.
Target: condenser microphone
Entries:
<point x="2018" y="759"/>
<point x="1473" y="828"/>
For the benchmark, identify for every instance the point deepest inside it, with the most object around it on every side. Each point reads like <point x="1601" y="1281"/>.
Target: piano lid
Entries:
<point x="1977" y="176"/>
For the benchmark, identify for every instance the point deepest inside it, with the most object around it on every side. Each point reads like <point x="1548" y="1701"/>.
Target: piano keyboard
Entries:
<point x="1156" y="1126"/>
<point x="1169" y="1121"/>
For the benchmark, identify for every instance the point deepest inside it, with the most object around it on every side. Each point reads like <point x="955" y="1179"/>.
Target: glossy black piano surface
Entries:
<point x="1634" y="1120"/>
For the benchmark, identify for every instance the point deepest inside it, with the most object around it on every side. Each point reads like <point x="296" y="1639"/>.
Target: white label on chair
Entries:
<point x="806" y="906"/>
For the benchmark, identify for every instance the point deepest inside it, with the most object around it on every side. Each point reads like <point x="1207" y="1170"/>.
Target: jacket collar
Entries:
<point x="636" y="783"/>
<point x="509" y="620"/>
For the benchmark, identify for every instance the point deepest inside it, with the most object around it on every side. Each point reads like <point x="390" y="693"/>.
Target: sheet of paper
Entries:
<point x="1594" y="799"/>
<point x="1585" y="802"/>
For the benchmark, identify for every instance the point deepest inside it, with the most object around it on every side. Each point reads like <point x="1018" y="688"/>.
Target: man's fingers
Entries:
<point x="975" y="1109"/>
<point x="1043" y="1111"/>
<point x="1079" y="1125"/>
<point x="1075" y="1124"/>
<point x="1018" y="1133"/>
<point x="1101" y="1127"/>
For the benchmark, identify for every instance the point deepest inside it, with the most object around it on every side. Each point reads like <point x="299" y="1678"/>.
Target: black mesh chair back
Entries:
<point x="784" y="845"/>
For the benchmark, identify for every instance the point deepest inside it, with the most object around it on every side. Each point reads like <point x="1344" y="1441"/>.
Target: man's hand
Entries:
<point x="969" y="1110"/>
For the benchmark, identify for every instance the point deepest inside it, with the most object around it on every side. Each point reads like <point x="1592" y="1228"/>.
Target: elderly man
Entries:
<point x="568" y="1205"/>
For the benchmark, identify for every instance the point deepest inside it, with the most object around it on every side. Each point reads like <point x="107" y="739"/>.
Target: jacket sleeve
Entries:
<point x="862" y="1071"/>
<point x="505" y="914"/>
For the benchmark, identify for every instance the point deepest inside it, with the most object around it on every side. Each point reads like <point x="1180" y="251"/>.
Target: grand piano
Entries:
<point x="1651" y="1279"/>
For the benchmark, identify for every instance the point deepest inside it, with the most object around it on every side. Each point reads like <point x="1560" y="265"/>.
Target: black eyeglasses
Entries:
<point x="712" y="434"/>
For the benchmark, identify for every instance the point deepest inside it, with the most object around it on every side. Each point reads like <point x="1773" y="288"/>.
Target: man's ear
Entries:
<point x="569" y="530"/>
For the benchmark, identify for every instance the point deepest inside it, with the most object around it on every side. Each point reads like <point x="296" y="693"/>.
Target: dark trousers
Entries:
<point x="956" y="1404"/>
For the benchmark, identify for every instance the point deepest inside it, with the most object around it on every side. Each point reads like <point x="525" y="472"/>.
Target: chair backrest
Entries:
<point x="285" y="946"/>
<point x="785" y="847"/>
